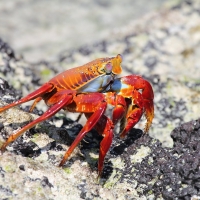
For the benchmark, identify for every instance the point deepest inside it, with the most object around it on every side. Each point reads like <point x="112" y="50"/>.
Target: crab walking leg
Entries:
<point x="104" y="127"/>
<point x="64" y="100"/>
<point x="92" y="120"/>
<point x="104" y="147"/>
<point x="38" y="99"/>
<point x="37" y="93"/>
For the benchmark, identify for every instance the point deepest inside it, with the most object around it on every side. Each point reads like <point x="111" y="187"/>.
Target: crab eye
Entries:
<point x="108" y="67"/>
<point x="119" y="57"/>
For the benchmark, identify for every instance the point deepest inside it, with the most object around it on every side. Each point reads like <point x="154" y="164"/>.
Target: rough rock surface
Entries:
<point x="164" y="48"/>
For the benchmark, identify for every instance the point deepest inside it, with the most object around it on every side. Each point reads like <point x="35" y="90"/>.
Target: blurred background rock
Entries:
<point x="40" y="29"/>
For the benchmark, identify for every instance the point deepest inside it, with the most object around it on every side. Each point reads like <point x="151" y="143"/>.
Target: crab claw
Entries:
<point x="139" y="96"/>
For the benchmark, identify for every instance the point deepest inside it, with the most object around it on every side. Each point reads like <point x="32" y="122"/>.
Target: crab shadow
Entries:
<point x="118" y="148"/>
<point x="90" y="143"/>
<point x="25" y="145"/>
<point x="133" y="135"/>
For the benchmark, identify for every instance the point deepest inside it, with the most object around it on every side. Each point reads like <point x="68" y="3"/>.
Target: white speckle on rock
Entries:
<point x="173" y="45"/>
<point x="140" y="155"/>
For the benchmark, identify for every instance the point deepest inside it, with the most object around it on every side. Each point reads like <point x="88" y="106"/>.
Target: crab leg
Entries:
<point x="92" y="120"/>
<point x="37" y="93"/>
<point x="94" y="106"/>
<point x="105" y="128"/>
<point x="38" y="99"/>
<point x="65" y="99"/>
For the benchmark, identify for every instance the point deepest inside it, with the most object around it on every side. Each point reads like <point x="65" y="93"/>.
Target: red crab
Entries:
<point x="79" y="90"/>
